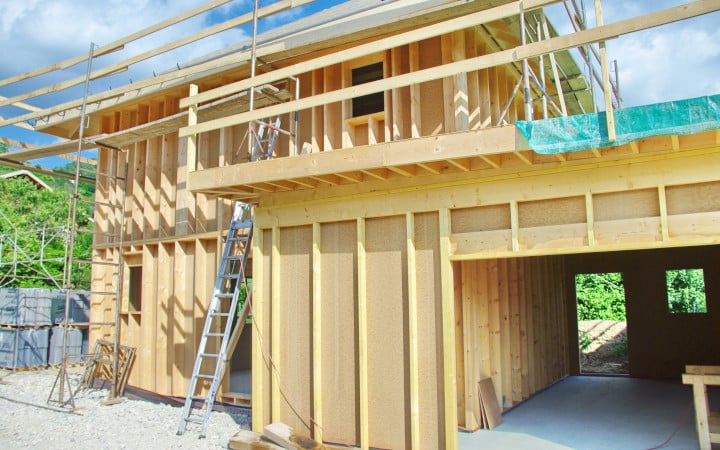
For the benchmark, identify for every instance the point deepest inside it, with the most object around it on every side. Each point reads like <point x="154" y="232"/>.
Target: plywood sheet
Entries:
<point x="489" y="404"/>
<point x="339" y="332"/>
<point x="388" y="384"/>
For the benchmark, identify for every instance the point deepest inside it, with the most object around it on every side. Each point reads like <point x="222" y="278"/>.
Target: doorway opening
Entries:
<point x="602" y="323"/>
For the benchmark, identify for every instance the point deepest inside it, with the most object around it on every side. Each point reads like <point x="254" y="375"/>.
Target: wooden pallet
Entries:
<point x="100" y="365"/>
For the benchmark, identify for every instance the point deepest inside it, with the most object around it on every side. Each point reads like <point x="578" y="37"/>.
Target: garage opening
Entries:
<point x="602" y="323"/>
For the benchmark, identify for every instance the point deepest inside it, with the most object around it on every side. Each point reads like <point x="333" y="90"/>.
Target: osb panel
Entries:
<point x="430" y="354"/>
<point x="387" y="318"/>
<point x="557" y="211"/>
<point x="481" y="218"/>
<point x="339" y="333"/>
<point x="295" y="319"/>
<point x="626" y="205"/>
<point x="693" y="198"/>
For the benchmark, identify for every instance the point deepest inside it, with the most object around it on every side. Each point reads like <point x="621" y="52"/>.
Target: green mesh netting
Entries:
<point x="587" y="131"/>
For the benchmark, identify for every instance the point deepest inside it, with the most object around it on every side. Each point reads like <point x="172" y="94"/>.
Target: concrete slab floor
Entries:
<point x="597" y="413"/>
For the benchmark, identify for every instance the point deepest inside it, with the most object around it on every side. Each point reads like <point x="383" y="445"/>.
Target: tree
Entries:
<point x="34" y="223"/>
<point x="600" y="296"/>
<point x="686" y="291"/>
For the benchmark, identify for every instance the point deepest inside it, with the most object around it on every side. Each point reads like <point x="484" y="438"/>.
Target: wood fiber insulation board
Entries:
<point x="295" y="360"/>
<point x="387" y="322"/>
<point x="168" y="174"/>
<point x="339" y="333"/>
<point x="305" y="116"/>
<point x="432" y="116"/>
<point x="427" y="244"/>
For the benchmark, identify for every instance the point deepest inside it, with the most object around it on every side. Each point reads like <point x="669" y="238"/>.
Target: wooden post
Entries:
<point x="448" y="332"/>
<point x="258" y="309"/>
<point x="317" y="334"/>
<point x="275" y="325"/>
<point x="413" y="331"/>
<point x="609" y="112"/>
<point x="362" y="334"/>
<point x="192" y="139"/>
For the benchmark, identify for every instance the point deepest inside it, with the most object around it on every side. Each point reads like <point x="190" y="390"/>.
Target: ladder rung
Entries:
<point x="220" y="314"/>
<point x="215" y="334"/>
<point x="192" y="420"/>
<point x="212" y="355"/>
<point x="225" y="295"/>
<point x="207" y="377"/>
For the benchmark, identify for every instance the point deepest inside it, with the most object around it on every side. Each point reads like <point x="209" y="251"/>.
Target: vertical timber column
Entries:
<point x="609" y="112"/>
<point x="362" y="334"/>
<point x="415" y="107"/>
<point x="413" y="332"/>
<point x="455" y="88"/>
<point x="317" y="333"/>
<point x="275" y="324"/>
<point x="448" y="332"/>
<point x="258" y="310"/>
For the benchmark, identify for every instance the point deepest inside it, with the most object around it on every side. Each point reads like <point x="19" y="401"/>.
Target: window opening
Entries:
<point x="371" y="103"/>
<point x="686" y="291"/>
<point x="602" y="323"/>
<point x="135" y="291"/>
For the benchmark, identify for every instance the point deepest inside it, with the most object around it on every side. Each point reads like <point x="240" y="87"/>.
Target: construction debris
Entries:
<point x="288" y="438"/>
<point x="250" y="440"/>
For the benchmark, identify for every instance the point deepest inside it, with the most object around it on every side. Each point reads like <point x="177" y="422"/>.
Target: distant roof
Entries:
<point x="33" y="179"/>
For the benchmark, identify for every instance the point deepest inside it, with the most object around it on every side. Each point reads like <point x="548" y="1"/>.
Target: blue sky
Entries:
<point x="675" y="61"/>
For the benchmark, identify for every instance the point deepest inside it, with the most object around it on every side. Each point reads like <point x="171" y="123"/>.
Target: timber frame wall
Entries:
<point x="398" y="257"/>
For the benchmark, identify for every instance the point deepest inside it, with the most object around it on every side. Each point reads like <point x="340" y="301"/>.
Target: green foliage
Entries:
<point x="600" y="296"/>
<point x="686" y="291"/>
<point x="584" y="340"/>
<point x="34" y="224"/>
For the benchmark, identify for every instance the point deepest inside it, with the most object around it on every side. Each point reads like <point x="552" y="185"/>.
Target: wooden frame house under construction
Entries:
<point x="409" y="240"/>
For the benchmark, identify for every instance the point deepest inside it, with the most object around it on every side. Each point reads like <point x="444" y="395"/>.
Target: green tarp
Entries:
<point x="587" y="131"/>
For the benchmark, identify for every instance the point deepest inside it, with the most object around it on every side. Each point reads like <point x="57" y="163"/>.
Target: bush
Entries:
<point x="600" y="296"/>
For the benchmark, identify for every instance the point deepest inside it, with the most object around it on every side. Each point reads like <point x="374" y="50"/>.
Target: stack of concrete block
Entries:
<point x="21" y="347"/>
<point x="25" y="307"/>
<point x="79" y="311"/>
<point x="76" y="345"/>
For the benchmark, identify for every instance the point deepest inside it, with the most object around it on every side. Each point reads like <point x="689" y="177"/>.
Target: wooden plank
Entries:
<point x="288" y="438"/>
<point x="448" y="332"/>
<point x="663" y="213"/>
<point x="470" y="300"/>
<point x="168" y="164"/>
<point x="362" y="335"/>
<point x="164" y="315"/>
<point x="607" y="89"/>
<point x="505" y="334"/>
<point x="123" y="65"/>
<point x="192" y="139"/>
<point x="415" y="107"/>
<point x="489" y="397"/>
<point x="515" y="343"/>
<point x="463" y="365"/>
<point x="251" y="440"/>
<point x="413" y="331"/>
<point x="317" y="333"/>
<point x="117" y="44"/>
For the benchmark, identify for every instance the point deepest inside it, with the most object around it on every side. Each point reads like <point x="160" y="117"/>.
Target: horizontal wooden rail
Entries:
<point x="518" y="53"/>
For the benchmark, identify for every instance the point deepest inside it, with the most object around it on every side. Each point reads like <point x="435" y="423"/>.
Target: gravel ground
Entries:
<point x="28" y="422"/>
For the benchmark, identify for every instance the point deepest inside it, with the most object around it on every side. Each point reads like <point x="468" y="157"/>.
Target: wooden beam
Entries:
<point x="590" y="217"/>
<point x="317" y="334"/>
<point x="124" y="64"/>
<point x="118" y="44"/>
<point x="362" y="336"/>
<point x="607" y="89"/>
<point x="531" y="50"/>
<point x="413" y="332"/>
<point x="663" y="213"/>
<point x="192" y="139"/>
<point x="514" y="225"/>
<point x="448" y="332"/>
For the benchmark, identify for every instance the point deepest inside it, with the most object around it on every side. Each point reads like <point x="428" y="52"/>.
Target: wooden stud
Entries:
<point x="515" y="225"/>
<point x="275" y="325"/>
<point x="663" y="213"/>
<point x="590" y="214"/>
<point x="448" y="332"/>
<point x="259" y="367"/>
<point x="413" y="332"/>
<point x="317" y="334"/>
<point x="192" y="139"/>
<point x="609" y="110"/>
<point x="362" y="335"/>
<point x="415" y="107"/>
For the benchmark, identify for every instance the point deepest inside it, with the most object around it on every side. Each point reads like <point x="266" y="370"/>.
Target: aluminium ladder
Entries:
<point x="222" y="308"/>
<point x="228" y="285"/>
